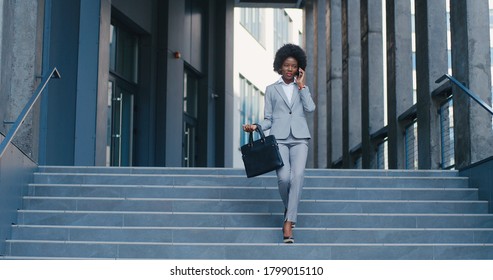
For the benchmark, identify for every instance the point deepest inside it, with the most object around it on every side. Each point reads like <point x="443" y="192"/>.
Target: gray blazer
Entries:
<point x="282" y="117"/>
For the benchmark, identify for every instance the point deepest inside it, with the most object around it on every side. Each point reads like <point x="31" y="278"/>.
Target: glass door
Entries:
<point x="120" y="144"/>
<point x="190" y="115"/>
<point x="122" y="88"/>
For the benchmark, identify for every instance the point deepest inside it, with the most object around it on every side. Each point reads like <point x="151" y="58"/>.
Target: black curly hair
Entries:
<point x="289" y="50"/>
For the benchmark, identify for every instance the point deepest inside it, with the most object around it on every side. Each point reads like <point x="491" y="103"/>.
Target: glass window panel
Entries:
<point x="251" y="19"/>
<point x="190" y="94"/>
<point x="112" y="48"/>
<point x="447" y="134"/>
<point x="382" y="155"/>
<point x="282" y="27"/>
<point x="411" y="146"/>
<point x="124" y="50"/>
<point x="251" y="105"/>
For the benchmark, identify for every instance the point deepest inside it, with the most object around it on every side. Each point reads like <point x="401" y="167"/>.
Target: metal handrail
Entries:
<point x="466" y="90"/>
<point x="20" y="119"/>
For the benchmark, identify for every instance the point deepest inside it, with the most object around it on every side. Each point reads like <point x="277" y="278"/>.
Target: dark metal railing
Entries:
<point x="471" y="94"/>
<point x="20" y="119"/>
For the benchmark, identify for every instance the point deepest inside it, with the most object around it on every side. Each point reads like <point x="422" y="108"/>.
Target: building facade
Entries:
<point x="144" y="83"/>
<point x="159" y="83"/>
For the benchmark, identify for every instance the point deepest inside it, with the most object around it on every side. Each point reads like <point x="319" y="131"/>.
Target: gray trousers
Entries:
<point x="290" y="177"/>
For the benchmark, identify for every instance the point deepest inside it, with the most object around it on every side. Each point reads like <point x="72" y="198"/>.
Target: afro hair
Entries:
<point x="289" y="50"/>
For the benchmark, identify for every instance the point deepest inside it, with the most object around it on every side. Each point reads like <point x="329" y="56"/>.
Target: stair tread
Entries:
<point x="242" y="199"/>
<point x="253" y="244"/>
<point x="236" y="187"/>
<point x="248" y="213"/>
<point x="246" y="228"/>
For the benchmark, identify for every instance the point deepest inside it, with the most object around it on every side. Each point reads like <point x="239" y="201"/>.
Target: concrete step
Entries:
<point x="252" y="219"/>
<point x="249" y="192"/>
<point x="259" y="251"/>
<point x="252" y="235"/>
<point x="241" y="172"/>
<point x="237" y="180"/>
<point x="251" y="205"/>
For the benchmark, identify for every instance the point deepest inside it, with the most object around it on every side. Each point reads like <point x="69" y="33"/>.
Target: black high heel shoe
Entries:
<point x="288" y="239"/>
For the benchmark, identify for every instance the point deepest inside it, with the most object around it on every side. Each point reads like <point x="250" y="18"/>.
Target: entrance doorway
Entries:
<point x="190" y="118"/>
<point x="121" y="123"/>
<point x="122" y="89"/>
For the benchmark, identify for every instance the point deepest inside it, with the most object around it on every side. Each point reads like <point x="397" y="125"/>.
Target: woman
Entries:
<point x="286" y="102"/>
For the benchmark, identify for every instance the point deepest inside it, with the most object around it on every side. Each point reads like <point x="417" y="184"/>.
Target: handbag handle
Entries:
<point x="259" y="130"/>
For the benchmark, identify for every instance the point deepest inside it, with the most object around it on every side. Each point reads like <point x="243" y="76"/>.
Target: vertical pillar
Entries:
<point x="310" y="48"/>
<point x="226" y="50"/>
<point x="317" y="41"/>
<point x="87" y="84"/>
<point x="399" y="76"/>
<point x="322" y="134"/>
<point x="431" y="63"/>
<point x="335" y="81"/>
<point x="352" y="81"/>
<point x="372" y="77"/>
<point x="471" y="65"/>
<point x="2" y="18"/>
<point x="102" y="94"/>
<point x="19" y="66"/>
<point x="174" y="84"/>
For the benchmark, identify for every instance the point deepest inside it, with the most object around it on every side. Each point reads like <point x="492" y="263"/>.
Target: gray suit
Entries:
<point x="286" y="121"/>
<point x="283" y="117"/>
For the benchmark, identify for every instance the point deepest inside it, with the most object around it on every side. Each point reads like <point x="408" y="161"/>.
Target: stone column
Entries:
<point x="1" y="40"/>
<point x="431" y="63"/>
<point x="174" y="84"/>
<point x="318" y="41"/>
<point x="471" y="65"/>
<point x="19" y="69"/>
<point x="399" y="77"/>
<point x="103" y="77"/>
<point x="372" y="77"/>
<point x="352" y="80"/>
<point x="310" y="13"/>
<point x="334" y="82"/>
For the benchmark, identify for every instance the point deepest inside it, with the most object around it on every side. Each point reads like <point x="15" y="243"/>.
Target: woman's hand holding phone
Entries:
<point x="301" y="78"/>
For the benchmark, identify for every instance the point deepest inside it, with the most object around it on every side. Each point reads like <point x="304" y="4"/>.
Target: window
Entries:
<point x="411" y="137"/>
<point x="282" y="27"/>
<point x="251" y="19"/>
<point x="447" y="134"/>
<point x="124" y="50"/>
<point x="358" y="163"/>
<point x="382" y="155"/>
<point x="251" y="100"/>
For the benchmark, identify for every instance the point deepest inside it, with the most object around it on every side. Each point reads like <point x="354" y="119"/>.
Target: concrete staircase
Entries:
<point x="204" y="213"/>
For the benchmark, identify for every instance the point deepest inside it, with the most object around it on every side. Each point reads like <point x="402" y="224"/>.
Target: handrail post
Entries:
<point x="15" y="127"/>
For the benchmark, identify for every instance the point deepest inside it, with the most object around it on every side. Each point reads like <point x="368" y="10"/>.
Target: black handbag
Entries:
<point x="262" y="155"/>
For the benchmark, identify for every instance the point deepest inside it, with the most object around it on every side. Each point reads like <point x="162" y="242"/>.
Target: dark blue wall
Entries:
<point x="481" y="176"/>
<point x="16" y="171"/>
<point x="57" y="131"/>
